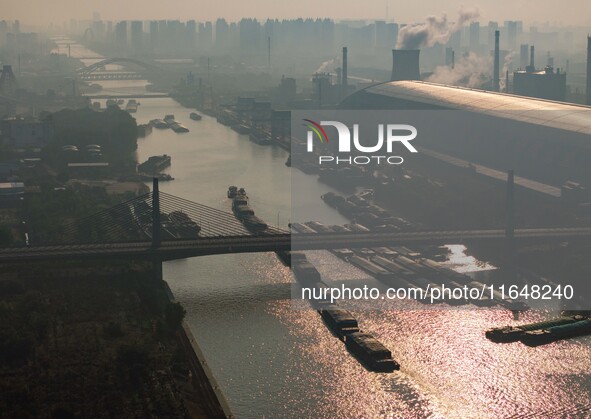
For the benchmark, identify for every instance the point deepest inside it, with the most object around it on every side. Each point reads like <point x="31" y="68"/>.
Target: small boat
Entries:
<point x="195" y="116"/>
<point x="169" y="117"/>
<point x="120" y="102"/>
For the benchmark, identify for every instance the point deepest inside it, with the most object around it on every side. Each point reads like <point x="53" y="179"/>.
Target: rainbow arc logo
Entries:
<point x="317" y="129"/>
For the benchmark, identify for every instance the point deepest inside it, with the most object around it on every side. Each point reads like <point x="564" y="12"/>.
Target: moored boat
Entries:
<point x="552" y="334"/>
<point x="514" y="333"/>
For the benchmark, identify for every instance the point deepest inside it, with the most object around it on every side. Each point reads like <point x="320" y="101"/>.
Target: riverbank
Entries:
<point x="84" y="340"/>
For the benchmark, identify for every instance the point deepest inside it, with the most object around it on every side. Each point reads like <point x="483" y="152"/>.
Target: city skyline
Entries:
<point x="531" y="12"/>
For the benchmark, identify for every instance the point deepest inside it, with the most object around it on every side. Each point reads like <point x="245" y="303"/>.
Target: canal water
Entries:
<point x="273" y="361"/>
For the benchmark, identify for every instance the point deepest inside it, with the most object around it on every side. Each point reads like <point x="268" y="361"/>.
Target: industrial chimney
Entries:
<point x="405" y="64"/>
<point x="589" y="70"/>
<point x="532" y="66"/>
<point x="496" y="79"/>
<point x="344" y="86"/>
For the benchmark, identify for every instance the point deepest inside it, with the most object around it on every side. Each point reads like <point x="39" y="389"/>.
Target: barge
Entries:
<point x="370" y="352"/>
<point x="514" y="333"/>
<point x="552" y="334"/>
<point x="340" y="322"/>
<point x="154" y="164"/>
<point x="304" y="271"/>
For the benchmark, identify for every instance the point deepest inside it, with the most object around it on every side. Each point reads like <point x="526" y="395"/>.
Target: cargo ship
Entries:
<point x="340" y="322"/>
<point x="370" y="352"/>
<point x="195" y="116"/>
<point x="154" y="164"/>
<point x="514" y="333"/>
<point x="132" y="105"/>
<point x="552" y="334"/>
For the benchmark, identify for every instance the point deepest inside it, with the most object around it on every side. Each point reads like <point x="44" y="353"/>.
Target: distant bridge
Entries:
<point x="96" y="70"/>
<point x="159" y="226"/>
<point x="129" y="96"/>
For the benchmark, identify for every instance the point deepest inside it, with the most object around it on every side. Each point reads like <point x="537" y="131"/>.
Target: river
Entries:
<point x="271" y="360"/>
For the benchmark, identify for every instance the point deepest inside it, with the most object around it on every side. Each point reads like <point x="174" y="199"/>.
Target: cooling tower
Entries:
<point x="405" y="64"/>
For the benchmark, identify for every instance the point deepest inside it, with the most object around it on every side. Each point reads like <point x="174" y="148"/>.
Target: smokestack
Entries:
<point x="453" y="59"/>
<point x="344" y="86"/>
<point x="507" y="82"/>
<point x="532" y="66"/>
<point x="405" y="64"/>
<point x="496" y="80"/>
<point x="589" y="70"/>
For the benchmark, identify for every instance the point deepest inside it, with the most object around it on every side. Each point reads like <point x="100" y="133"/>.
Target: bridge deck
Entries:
<point x="179" y="249"/>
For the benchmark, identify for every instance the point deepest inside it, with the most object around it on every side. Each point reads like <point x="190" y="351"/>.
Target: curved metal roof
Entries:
<point x="560" y="115"/>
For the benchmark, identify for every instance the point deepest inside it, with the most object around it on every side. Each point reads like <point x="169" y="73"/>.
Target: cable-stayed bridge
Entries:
<point x="160" y="226"/>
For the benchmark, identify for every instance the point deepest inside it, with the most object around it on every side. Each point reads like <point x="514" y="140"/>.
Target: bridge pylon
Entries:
<point x="156" y="221"/>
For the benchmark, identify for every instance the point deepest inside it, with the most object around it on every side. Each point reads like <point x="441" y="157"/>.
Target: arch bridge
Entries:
<point x="96" y="71"/>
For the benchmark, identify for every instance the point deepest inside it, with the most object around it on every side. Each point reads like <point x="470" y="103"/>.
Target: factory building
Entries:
<point x="542" y="140"/>
<point x="544" y="84"/>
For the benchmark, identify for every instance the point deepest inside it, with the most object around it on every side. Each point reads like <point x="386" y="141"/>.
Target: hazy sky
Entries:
<point x="576" y="12"/>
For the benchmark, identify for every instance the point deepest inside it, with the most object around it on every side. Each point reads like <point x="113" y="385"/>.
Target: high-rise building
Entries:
<point x="474" y="36"/>
<point x="222" y="34"/>
<point x="137" y="34"/>
<point x="121" y="34"/>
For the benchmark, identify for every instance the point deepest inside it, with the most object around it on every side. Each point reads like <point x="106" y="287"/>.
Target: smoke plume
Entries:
<point x="470" y="71"/>
<point x="434" y="30"/>
<point x="506" y="65"/>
